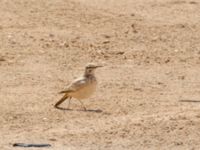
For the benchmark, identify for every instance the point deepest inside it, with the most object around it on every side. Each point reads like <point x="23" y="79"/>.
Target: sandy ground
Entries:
<point x="149" y="90"/>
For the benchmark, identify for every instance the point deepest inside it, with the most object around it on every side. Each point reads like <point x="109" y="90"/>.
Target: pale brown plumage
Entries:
<point x="82" y="87"/>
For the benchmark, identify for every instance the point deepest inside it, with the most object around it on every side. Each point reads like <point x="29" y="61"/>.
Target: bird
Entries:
<point x="82" y="87"/>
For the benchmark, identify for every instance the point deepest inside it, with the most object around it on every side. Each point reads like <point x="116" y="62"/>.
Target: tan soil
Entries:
<point x="149" y="89"/>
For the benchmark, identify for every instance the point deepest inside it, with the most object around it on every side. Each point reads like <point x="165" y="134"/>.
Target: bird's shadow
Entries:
<point x="189" y="101"/>
<point x="88" y="110"/>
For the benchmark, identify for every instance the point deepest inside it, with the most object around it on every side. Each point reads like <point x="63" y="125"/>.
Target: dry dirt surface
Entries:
<point x="148" y="95"/>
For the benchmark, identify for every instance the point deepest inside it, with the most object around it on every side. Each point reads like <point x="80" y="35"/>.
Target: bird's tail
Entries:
<point x="65" y="91"/>
<point x="61" y="100"/>
<point x="61" y="92"/>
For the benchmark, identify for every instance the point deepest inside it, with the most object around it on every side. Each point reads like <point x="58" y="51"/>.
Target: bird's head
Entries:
<point x="90" y="68"/>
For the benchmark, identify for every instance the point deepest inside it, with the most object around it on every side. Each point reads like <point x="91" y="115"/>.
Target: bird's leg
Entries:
<point x="69" y="102"/>
<point x="82" y="104"/>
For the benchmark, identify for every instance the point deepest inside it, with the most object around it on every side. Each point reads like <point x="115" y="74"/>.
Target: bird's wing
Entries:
<point x="75" y="85"/>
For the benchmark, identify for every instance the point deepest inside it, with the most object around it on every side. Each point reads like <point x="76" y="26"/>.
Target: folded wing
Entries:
<point x="75" y="86"/>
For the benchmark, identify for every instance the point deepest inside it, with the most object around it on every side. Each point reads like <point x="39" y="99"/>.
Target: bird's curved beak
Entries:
<point x="98" y="66"/>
